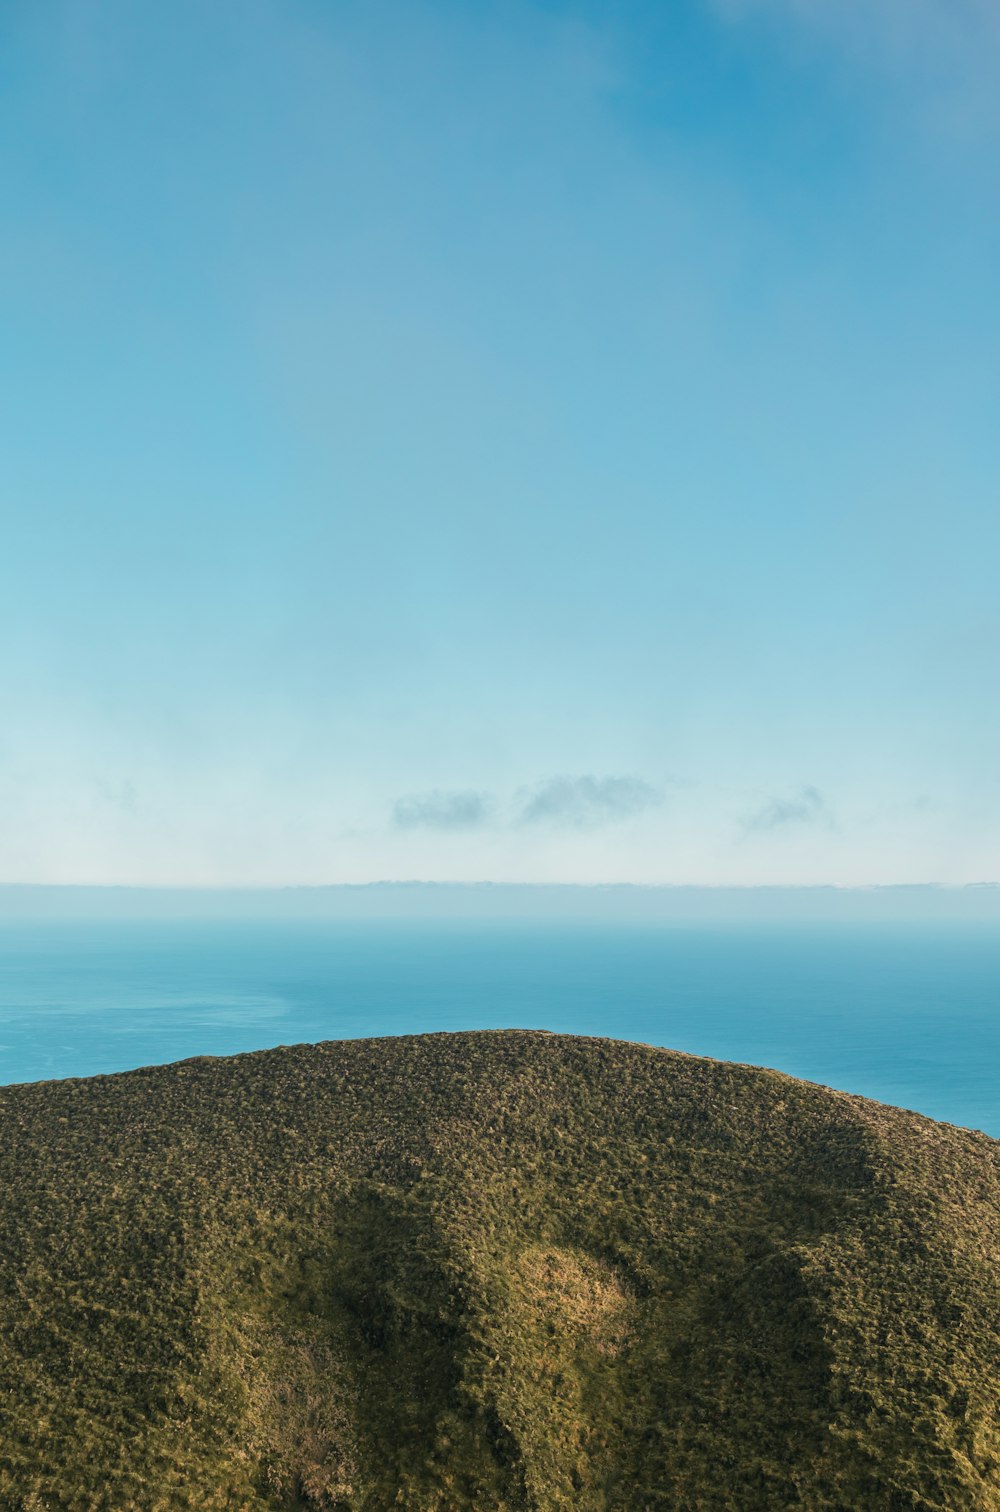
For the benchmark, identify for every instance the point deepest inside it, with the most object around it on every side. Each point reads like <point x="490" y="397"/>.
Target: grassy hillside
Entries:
<point x="492" y="1271"/>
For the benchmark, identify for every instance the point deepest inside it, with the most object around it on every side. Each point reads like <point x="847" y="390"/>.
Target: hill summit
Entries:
<point x="493" y="1271"/>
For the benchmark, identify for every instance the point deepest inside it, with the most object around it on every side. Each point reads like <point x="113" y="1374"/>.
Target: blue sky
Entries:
<point x="545" y="442"/>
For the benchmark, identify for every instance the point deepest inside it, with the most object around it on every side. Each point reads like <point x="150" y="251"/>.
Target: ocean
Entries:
<point x="907" y="1014"/>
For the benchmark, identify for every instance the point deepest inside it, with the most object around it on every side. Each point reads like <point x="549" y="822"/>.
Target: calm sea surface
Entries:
<point x="909" y="1015"/>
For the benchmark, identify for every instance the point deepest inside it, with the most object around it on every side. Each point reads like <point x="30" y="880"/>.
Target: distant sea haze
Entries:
<point x="901" y="1004"/>
<point x="607" y="902"/>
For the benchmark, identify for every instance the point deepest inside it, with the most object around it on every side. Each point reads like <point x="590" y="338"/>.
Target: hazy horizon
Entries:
<point x="672" y="904"/>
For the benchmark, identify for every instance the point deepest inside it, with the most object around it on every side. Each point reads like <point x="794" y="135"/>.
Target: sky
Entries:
<point x="539" y="442"/>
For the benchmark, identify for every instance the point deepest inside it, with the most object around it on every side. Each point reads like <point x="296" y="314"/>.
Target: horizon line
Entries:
<point x="486" y="882"/>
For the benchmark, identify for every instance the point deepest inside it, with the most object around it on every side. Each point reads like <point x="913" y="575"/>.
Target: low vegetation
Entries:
<point x="492" y="1271"/>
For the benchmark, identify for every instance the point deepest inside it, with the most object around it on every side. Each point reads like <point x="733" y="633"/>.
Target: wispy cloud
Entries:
<point x="807" y="806"/>
<point x="896" y="29"/>
<point x="584" y="802"/>
<point x="442" y="810"/>
<point x="119" y="794"/>
<point x="943" y="52"/>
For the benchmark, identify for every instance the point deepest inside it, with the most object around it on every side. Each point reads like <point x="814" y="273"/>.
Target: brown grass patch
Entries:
<point x="575" y="1294"/>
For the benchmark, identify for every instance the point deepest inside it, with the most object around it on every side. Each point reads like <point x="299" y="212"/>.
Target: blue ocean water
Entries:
<point x="908" y="1015"/>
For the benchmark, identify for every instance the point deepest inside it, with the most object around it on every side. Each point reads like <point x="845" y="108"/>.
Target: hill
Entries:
<point x="492" y="1271"/>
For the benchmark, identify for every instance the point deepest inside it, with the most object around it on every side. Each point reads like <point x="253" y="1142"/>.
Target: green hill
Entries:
<point x="492" y="1271"/>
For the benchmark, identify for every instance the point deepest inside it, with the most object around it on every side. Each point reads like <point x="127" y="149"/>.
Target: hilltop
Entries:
<point x="492" y="1271"/>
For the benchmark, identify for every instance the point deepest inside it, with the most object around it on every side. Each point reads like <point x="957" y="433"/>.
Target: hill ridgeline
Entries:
<point x="496" y="1271"/>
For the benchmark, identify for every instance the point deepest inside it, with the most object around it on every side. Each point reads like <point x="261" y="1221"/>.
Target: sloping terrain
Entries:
<point x="492" y="1271"/>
